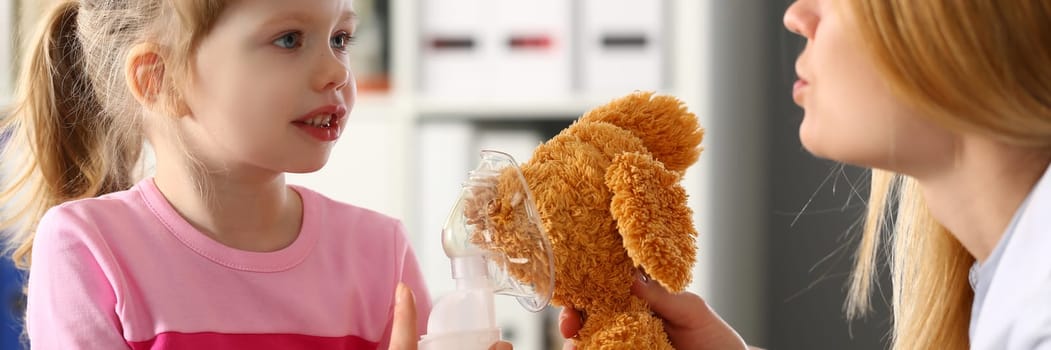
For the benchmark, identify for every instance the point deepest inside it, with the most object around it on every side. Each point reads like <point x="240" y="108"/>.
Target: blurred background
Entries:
<point x="441" y="79"/>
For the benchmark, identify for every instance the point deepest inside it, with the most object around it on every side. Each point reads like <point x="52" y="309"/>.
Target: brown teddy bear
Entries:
<point x="608" y="194"/>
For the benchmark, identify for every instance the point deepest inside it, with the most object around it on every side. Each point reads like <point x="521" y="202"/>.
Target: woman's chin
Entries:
<point x="823" y="149"/>
<point x="819" y="152"/>
<point x="811" y="143"/>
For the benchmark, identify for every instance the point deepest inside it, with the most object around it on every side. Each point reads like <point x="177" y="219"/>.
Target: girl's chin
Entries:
<point x="304" y="167"/>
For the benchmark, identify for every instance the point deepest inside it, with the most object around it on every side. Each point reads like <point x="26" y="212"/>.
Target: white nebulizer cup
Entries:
<point x="466" y="319"/>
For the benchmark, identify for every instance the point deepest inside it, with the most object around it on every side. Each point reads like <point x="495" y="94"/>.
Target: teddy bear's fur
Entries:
<point x="608" y="194"/>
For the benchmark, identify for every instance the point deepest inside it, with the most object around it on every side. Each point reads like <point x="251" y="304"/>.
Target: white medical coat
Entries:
<point x="1016" y="312"/>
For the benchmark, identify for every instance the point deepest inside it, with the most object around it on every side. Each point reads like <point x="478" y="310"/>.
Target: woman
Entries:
<point x="950" y="103"/>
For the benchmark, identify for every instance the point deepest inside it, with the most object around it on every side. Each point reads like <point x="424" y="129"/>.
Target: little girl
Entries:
<point x="215" y="251"/>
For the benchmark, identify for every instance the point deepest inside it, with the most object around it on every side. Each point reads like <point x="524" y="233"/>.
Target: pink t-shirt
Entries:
<point x="125" y="270"/>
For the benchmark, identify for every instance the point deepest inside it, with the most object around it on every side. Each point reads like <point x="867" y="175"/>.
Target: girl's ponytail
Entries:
<point x="62" y="145"/>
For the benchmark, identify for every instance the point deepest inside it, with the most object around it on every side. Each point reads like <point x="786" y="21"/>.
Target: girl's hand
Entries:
<point x="403" y="331"/>
<point x="688" y="320"/>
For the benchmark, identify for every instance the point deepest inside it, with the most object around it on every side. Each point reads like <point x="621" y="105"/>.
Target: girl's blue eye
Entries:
<point x="341" y="40"/>
<point x="289" y="41"/>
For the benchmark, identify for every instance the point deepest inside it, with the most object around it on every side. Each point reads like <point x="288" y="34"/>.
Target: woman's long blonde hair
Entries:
<point x="975" y="66"/>
<point x="75" y="129"/>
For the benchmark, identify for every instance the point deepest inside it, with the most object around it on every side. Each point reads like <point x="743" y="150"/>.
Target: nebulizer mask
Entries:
<point x="496" y="245"/>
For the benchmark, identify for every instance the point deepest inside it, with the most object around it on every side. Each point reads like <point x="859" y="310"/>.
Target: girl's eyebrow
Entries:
<point x="348" y="16"/>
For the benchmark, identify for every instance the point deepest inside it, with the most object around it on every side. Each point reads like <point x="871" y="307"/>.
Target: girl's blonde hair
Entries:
<point x="75" y="129"/>
<point x="974" y="66"/>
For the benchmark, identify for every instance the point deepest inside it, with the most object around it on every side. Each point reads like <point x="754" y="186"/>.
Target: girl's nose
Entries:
<point x="333" y="75"/>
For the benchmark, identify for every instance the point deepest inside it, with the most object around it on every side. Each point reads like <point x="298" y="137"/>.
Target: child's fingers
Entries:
<point x="403" y="330"/>
<point x="569" y="322"/>
<point x="502" y="345"/>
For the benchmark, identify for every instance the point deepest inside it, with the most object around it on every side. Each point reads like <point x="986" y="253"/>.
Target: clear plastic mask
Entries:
<point x="496" y="218"/>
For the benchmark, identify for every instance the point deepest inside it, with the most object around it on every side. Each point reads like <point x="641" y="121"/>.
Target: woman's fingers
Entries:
<point x="689" y="321"/>
<point x="569" y="322"/>
<point x="682" y="309"/>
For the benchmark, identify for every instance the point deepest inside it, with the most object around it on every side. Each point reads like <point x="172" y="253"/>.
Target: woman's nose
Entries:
<point x="801" y="18"/>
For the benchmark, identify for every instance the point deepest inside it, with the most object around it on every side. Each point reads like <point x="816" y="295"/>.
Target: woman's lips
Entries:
<point x="798" y="90"/>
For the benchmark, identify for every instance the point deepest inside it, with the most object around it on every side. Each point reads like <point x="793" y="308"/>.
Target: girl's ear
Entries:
<point x="144" y="74"/>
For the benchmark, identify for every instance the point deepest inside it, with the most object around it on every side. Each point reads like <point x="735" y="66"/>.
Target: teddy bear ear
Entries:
<point x="653" y="218"/>
<point x="670" y="132"/>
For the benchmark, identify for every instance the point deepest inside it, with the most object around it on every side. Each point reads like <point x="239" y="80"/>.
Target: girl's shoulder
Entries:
<point x="100" y="225"/>
<point x="120" y="207"/>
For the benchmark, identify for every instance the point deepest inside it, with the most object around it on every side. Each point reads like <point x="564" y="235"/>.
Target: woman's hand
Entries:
<point x="688" y="320"/>
<point x="403" y="331"/>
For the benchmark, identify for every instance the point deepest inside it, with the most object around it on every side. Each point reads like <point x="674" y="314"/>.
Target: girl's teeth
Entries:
<point x="320" y="121"/>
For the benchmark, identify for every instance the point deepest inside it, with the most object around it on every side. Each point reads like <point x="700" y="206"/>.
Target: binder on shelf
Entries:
<point x="452" y="55"/>
<point x="502" y="50"/>
<point x="532" y="47"/>
<point x="622" y="46"/>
